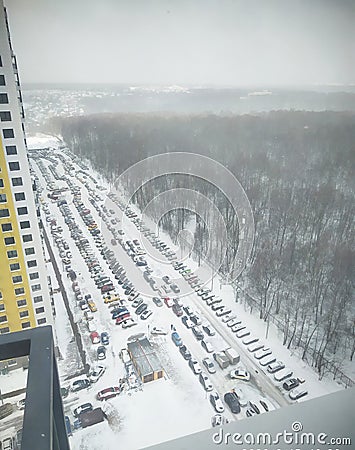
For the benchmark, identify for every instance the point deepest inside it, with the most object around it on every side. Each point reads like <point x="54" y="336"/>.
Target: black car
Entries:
<point x="290" y="384"/>
<point x="232" y="401"/>
<point x="185" y="352"/>
<point x="141" y="308"/>
<point x="78" y="385"/>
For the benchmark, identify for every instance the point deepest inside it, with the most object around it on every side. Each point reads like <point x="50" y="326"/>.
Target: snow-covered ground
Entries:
<point x="177" y="404"/>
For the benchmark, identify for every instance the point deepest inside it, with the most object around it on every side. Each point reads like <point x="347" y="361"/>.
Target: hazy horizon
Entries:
<point x="224" y="43"/>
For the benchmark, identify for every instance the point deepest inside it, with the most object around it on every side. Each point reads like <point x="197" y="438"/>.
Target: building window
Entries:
<point x="32" y="263"/>
<point x="0" y="61"/>
<point x="21" y="211"/>
<point x="9" y="241"/>
<point x="24" y="224"/>
<point x="3" y="198"/>
<point x="11" y="363"/>
<point x="4" y="330"/>
<point x="3" y="319"/>
<point x="34" y="276"/>
<point x="15" y="266"/>
<point x="12" y="254"/>
<point x="17" y="279"/>
<point x="15" y="165"/>
<point x="17" y="181"/>
<point x="2" y="80"/>
<point x="40" y="310"/>
<point x="38" y="299"/>
<point x="24" y="314"/>
<point x="19" y="291"/>
<point x="26" y="325"/>
<point x="5" y="116"/>
<point x="6" y="227"/>
<point x="2" y="307"/>
<point x="1" y="183"/>
<point x="27" y="238"/>
<point x="4" y="98"/>
<point x="41" y="321"/>
<point x="30" y="251"/>
<point x="36" y="287"/>
<point x="4" y="213"/>
<point x="21" y="303"/>
<point x="8" y="133"/>
<point x="11" y="150"/>
<point x="20" y="196"/>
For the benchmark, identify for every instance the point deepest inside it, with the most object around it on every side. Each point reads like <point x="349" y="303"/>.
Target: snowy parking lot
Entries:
<point x="178" y="403"/>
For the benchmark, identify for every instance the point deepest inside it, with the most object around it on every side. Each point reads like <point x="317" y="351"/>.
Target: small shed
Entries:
<point x="145" y="360"/>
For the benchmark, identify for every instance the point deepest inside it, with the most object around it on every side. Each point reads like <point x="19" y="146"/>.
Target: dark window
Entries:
<point x="21" y="211"/>
<point x="3" y="319"/>
<point x="2" y="307"/>
<point x="9" y="241"/>
<point x="15" y="266"/>
<point x="20" y="196"/>
<point x="4" y="330"/>
<point x="36" y="287"/>
<point x="17" y="279"/>
<point x="25" y="224"/>
<point x="11" y="150"/>
<point x="21" y="303"/>
<point x="32" y="263"/>
<point x="4" y="213"/>
<point x="38" y="299"/>
<point x="6" y="227"/>
<point x="24" y="314"/>
<point x="0" y="61"/>
<point x="8" y="133"/>
<point x="1" y="183"/>
<point x="34" y="276"/>
<point x="26" y="325"/>
<point x="27" y="238"/>
<point x="4" y="98"/>
<point x="17" y="181"/>
<point x="14" y="166"/>
<point x="3" y="198"/>
<point x="41" y="321"/>
<point x="30" y="251"/>
<point x="12" y="254"/>
<point x="19" y="291"/>
<point x="5" y="116"/>
<point x="2" y="80"/>
<point x="40" y="310"/>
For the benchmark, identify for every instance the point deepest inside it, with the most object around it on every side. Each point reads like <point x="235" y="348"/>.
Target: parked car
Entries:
<point x="282" y="374"/>
<point x="187" y="322"/>
<point x="241" y="396"/>
<point x="208" y="363"/>
<point x="78" y="385"/>
<point x="129" y="322"/>
<point x="138" y="301"/>
<point x="290" y="384"/>
<point x="105" y="338"/>
<point x="177" y="310"/>
<point x="297" y="393"/>
<point x="275" y="366"/>
<point x="208" y="329"/>
<point x="198" y="333"/>
<point x="101" y="352"/>
<point x="205" y="381"/>
<point x="207" y="346"/>
<point x="158" y="330"/>
<point x="195" y="366"/>
<point x="82" y="408"/>
<point x="176" y="339"/>
<point x="96" y="373"/>
<point x="141" y="308"/>
<point x="216" y="402"/>
<point x="157" y="301"/>
<point x="254" y="407"/>
<point x="185" y="352"/>
<point x="95" y="337"/>
<point x="145" y="314"/>
<point x="232" y="401"/>
<point x="239" y="374"/>
<point x="169" y="302"/>
<point x="108" y="393"/>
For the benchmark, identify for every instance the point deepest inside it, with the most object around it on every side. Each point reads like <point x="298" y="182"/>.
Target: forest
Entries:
<point x="297" y="169"/>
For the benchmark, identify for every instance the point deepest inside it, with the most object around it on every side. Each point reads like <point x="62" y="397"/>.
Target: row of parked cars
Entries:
<point x="261" y="352"/>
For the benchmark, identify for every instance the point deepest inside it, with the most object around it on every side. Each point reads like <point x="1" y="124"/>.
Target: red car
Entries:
<point x="95" y="337"/>
<point x="107" y="393"/>
<point x="122" y="318"/>
<point x="107" y="288"/>
<point x="169" y="303"/>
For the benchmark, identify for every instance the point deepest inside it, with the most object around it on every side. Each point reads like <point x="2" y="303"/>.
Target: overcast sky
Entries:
<point x="187" y="42"/>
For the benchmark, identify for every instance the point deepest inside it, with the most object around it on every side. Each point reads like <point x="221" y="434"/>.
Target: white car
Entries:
<point x="205" y="381"/>
<point x="96" y="373"/>
<point x="297" y="393"/>
<point x="241" y="396"/>
<point x="239" y="374"/>
<point x="266" y="351"/>
<point x="129" y="322"/>
<point x="159" y="330"/>
<point x="195" y="366"/>
<point x="207" y="346"/>
<point x="216" y="402"/>
<point x="228" y="317"/>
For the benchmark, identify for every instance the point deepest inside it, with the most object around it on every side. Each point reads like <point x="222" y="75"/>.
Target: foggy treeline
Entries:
<point x="297" y="169"/>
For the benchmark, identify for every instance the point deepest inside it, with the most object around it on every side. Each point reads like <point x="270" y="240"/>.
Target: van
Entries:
<point x="232" y="355"/>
